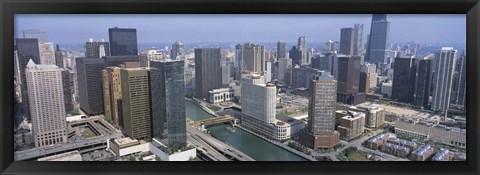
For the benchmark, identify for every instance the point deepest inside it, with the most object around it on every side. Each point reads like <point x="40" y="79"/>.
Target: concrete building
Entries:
<point x="178" y="51"/>
<point x="59" y="57"/>
<point x="208" y="71"/>
<point x="136" y="103"/>
<point x="284" y="66"/>
<point x="443" y="68"/>
<point x="27" y="48"/>
<point x="352" y="125"/>
<point x="404" y="75"/>
<point x="443" y="155"/>
<point x="428" y="127"/>
<point x="327" y="62"/>
<point x="295" y="55"/>
<point x="189" y="80"/>
<point x="249" y="57"/>
<point x="47" y="107"/>
<point x="96" y="49"/>
<point x="387" y="88"/>
<point x="221" y="95"/>
<point x="281" y="50"/>
<point x="346" y="41"/>
<point x="348" y="80"/>
<point x="302" y="47"/>
<point x="422" y="153"/>
<point x="302" y="76"/>
<point x="358" y="48"/>
<point x="378" y="39"/>
<point x="47" y="53"/>
<point x="123" y="41"/>
<point x="126" y="146"/>
<point x="258" y="99"/>
<point x="320" y="131"/>
<point x="375" y="116"/>
<point x="423" y="83"/>
<point x="89" y="75"/>
<point x="167" y="82"/>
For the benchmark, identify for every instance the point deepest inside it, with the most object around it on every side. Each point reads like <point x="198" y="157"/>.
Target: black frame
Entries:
<point x="10" y="7"/>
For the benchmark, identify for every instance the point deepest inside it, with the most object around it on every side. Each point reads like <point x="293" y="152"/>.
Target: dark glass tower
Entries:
<point x="89" y="78"/>
<point x="346" y="41"/>
<point x="67" y="93"/>
<point x="424" y="81"/>
<point x="281" y="49"/>
<point x="404" y="74"/>
<point x="93" y="49"/>
<point x="168" y="103"/>
<point x="377" y="42"/>
<point x="295" y="54"/>
<point x="58" y="57"/>
<point x="208" y="71"/>
<point x="123" y="41"/>
<point x="27" y="48"/>
<point x="348" y="79"/>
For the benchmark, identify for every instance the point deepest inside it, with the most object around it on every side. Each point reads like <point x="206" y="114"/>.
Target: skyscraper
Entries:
<point x="47" y="53"/>
<point x="358" y="39"/>
<point x="258" y="100"/>
<point x="281" y="50"/>
<point x="378" y="39"/>
<point x="136" y="103"/>
<point x="117" y="60"/>
<point x="302" y="47"/>
<point x="67" y="93"/>
<point x="250" y="57"/>
<point x="94" y="49"/>
<point x="168" y="102"/>
<point x="423" y="82"/>
<point x="59" y="57"/>
<point x="47" y="108"/>
<point x="178" y="51"/>
<point x="301" y="76"/>
<point x="320" y="131"/>
<point x="208" y="71"/>
<point x="443" y="68"/>
<point x="346" y="41"/>
<point x="40" y="35"/>
<point x="461" y="68"/>
<point x="348" y="78"/>
<point x="295" y="54"/>
<point x="404" y="75"/>
<point x="284" y="65"/>
<point x="123" y="41"/>
<point x="26" y="49"/>
<point x="89" y="75"/>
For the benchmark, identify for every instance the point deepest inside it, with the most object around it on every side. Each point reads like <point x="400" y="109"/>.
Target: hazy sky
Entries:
<point x="239" y="28"/>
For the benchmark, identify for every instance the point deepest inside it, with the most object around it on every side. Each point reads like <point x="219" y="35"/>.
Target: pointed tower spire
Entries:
<point x="30" y="64"/>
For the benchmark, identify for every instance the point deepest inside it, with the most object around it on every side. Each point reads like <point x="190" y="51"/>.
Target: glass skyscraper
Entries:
<point x="123" y="41"/>
<point x="378" y="38"/>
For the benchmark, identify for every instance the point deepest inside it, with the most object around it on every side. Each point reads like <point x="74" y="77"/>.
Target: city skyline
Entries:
<point x="237" y="28"/>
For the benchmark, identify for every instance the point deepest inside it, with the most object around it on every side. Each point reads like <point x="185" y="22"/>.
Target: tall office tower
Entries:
<point x="423" y="82"/>
<point x="48" y="114"/>
<point x="258" y="102"/>
<point x="136" y="103"/>
<point x="370" y="69"/>
<point x="89" y="79"/>
<point x="281" y="50"/>
<point x="123" y="41"/>
<point x="348" y="79"/>
<point x="190" y="80"/>
<point x="143" y="60"/>
<point x="94" y="49"/>
<point x="112" y="95"/>
<point x="208" y="71"/>
<point x="47" y="53"/>
<point x="320" y="131"/>
<point x="295" y="54"/>
<point x="227" y="69"/>
<point x="154" y="55"/>
<point x="284" y="65"/>
<point x="358" y="39"/>
<point x="268" y="74"/>
<point x="346" y="41"/>
<point x="250" y="57"/>
<point x="118" y="60"/>
<point x="40" y="35"/>
<point x="178" y="51"/>
<point x="27" y="48"/>
<point x="301" y="76"/>
<point x="302" y="47"/>
<point x="378" y="39"/>
<point x="59" y="57"/>
<point x="443" y="68"/>
<point x="364" y="83"/>
<point x="404" y="74"/>
<point x="329" y="47"/>
<point x="461" y="68"/>
<point x="326" y="63"/>
<point x="67" y="93"/>
<point x="168" y="102"/>
<point x="310" y="53"/>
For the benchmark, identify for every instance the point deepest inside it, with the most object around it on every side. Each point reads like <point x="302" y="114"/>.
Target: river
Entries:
<point x="249" y="144"/>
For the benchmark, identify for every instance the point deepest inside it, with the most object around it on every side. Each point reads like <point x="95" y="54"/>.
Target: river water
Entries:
<point x="249" y="144"/>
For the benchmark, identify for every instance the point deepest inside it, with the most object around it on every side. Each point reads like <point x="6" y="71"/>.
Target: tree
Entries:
<point x="157" y="158"/>
<point x="74" y="112"/>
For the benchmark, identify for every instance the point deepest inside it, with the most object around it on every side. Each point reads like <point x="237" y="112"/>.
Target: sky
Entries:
<point x="164" y="28"/>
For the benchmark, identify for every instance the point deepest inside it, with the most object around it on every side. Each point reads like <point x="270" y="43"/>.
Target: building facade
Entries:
<point x="27" y="48"/>
<point x="281" y="50"/>
<point x="123" y="41"/>
<point x="378" y="39"/>
<point x="404" y="75"/>
<point x="208" y="71"/>
<point x="89" y="79"/>
<point x="443" y="68"/>
<point x="96" y="49"/>
<point x="423" y="83"/>
<point x="250" y="57"/>
<point x="346" y="41"/>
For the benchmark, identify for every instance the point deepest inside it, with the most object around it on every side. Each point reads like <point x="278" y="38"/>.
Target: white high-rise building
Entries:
<point x="46" y="102"/>
<point x="47" y="53"/>
<point x="443" y="69"/>
<point x="258" y="99"/>
<point x="302" y="46"/>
